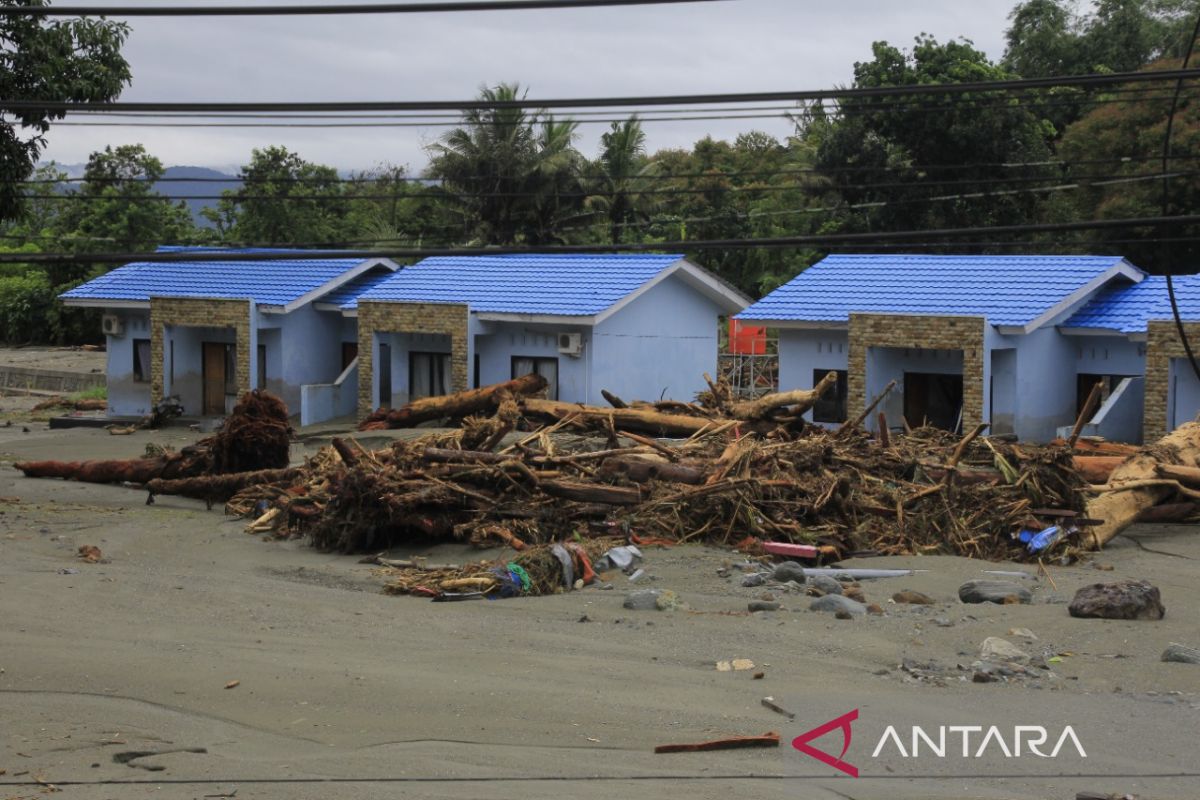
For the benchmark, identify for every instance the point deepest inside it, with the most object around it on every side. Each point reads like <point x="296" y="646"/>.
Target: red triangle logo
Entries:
<point x="801" y="743"/>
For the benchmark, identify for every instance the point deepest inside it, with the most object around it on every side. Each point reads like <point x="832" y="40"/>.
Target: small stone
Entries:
<point x="758" y="676"/>
<point x="585" y="618"/>
<point x="667" y="601"/>
<point x="874" y="608"/>
<point x="763" y="605"/>
<point x="854" y="592"/>
<point x="754" y="579"/>
<point x="643" y="600"/>
<point x="824" y="584"/>
<point x="987" y="591"/>
<point x="1181" y="654"/>
<point x="983" y="676"/>
<point x="1121" y="600"/>
<point x="835" y="603"/>
<point x="766" y="596"/>
<point x="788" y="571"/>
<point x="914" y="598"/>
<point x="943" y="622"/>
<point x="843" y="615"/>
<point x="996" y="649"/>
<point x="1023" y="633"/>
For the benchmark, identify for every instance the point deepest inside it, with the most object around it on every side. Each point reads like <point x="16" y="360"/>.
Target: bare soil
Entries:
<point x="346" y="692"/>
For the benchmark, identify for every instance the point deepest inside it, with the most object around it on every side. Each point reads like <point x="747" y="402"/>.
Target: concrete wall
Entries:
<point x="1164" y="410"/>
<point x="658" y="346"/>
<point x="127" y="397"/>
<point x="1185" y="393"/>
<point x="801" y="351"/>
<point x="321" y="402"/>
<point x="886" y="364"/>
<point x="497" y="343"/>
<point x="306" y="350"/>
<point x="401" y="345"/>
<point x="184" y="374"/>
<point x="1046" y="374"/>
<point x="1002" y="383"/>
<point x="175" y="346"/>
<point x="376" y="319"/>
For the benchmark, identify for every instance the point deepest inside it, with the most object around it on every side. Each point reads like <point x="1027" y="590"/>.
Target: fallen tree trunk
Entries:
<point x="800" y="400"/>
<point x="133" y="470"/>
<point x="459" y="404"/>
<point x="1188" y="476"/>
<point x="1097" y="469"/>
<point x="593" y="493"/>
<point x="219" y="487"/>
<point x="1120" y="509"/>
<point x="636" y="419"/>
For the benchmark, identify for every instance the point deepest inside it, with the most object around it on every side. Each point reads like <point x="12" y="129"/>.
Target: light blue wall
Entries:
<point x="801" y="351"/>
<point x="307" y="350"/>
<point x="885" y="364"/>
<point x="1108" y="355"/>
<point x="321" y="402"/>
<point x="402" y="344"/>
<point x="498" y="342"/>
<point x="183" y="377"/>
<point x="127" y="397"/>
<point x="1046" y="373"/>
<point x="658" y="346"/>
<point x="1002" y="394"/>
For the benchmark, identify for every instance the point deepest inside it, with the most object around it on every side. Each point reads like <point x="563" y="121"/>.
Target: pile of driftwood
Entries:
<point x="255" y="436"/>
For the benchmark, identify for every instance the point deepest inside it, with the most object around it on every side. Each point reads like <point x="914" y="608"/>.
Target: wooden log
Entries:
<point x="442" y="455"/>
<point x="613" y="400"/>
<point x="1097" y="469"/>
<point x="220" y="487"/>
<point x="459" y="404"/>
<point x="1120" y="509"/>
<point x="799" y="400"/>
<point x="1169" y="512"/>
<point x="1188" y="476"/>
<point x="1085" y="414"/>
<point x="593" y="493"/>
<point x="636" y="419"/>
<point x="133" y="470"/>
<point x="641" y="470"/>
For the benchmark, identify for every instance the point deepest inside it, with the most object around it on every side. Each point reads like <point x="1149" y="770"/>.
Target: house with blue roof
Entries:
<point x="643" y="326"/>
<point x="1017" y="342"/>
<point x="204" y="331"/>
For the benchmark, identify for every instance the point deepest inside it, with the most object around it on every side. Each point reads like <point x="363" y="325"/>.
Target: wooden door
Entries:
<point x="213" y="378"/>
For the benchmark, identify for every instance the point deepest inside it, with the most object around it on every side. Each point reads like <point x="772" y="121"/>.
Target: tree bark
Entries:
<point x="801" y="400"/>
<point x="459" y="404"/>
<point x="593" y="493"/>
<point x="1120" y="509"/>
<point x="636" y="419"/>
<point x="220" y="487"/>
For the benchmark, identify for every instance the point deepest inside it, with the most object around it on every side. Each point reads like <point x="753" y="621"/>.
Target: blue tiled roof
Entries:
<point x="564" y="285"/>
<point x="272" y="283"/>
<point x="1007" y="290"/>
<point x="350" y="291"/>
<point x="1128" y="307"/>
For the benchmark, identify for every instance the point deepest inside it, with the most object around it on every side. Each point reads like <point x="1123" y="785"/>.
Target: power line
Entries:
<point x="1016" y="84"/>
<point x="321" y="10"/>
<point x="715" y="172"/>
<point x="698" y="244"/>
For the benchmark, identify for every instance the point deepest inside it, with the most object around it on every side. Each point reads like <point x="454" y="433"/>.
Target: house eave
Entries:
<point x="537" y="319"/>
<point x="89" y="302"/>
<point x="1077" y="298"/>
<point x="340" y="280"/>
<point x="797" y="324"/>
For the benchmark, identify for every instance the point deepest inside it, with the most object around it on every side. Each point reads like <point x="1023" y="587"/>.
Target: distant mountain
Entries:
<point x="197" y="181"/>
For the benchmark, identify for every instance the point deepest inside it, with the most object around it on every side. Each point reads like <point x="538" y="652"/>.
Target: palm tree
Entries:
<point x="623" y="177"/>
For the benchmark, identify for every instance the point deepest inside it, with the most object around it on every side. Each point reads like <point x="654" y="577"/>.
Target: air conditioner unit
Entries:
<point x="112" y="325"/>
<point x="570" y="344"/>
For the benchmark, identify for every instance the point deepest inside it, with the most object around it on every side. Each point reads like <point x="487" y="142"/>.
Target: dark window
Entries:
<point x="349" y="353"/>
<point x="262" y="366"/>
<point x="231" y="386"/>
<point x="933" y="399"/>
<point x="428" y="375"/>
<point x="141" y="360"/>
<point x="476" y="384"/>
<point x="831" y="407"/>
<point x="546" y="367"/>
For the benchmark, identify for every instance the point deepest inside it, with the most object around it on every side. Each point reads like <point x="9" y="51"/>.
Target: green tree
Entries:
<point x="919" y="162"/>
<point x="504" y="171"/>
<point x="283" y="200"/>
<point x="75" y="60"/>
<point x="623" y="175"/>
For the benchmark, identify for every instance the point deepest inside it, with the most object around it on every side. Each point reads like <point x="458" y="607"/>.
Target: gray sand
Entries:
<point x="518" y="698"/>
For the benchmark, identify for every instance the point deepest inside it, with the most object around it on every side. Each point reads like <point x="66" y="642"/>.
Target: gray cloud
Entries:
<point x="745" y="45"/>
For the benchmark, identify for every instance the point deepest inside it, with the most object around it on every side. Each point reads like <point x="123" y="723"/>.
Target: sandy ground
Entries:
<point x="346" y="692"/>
<point x="67" y="359"/>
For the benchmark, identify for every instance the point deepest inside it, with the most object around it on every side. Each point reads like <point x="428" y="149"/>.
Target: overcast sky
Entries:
<point x="736" y="46"/>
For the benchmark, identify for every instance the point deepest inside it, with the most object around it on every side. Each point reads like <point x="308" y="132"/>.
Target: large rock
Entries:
<point x="1181" y="654"/>
<point x="1121" y="600"/>
<point x="836" y="603"/>
<point x="825" y="584"/>
<point x="1002" y="592"/>
<point x="788" y="571"/>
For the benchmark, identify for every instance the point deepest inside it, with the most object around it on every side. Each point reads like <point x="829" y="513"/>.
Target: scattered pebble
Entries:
<point x="824" y="584"/>
<point x="1000" y="592"/>
<point x="836" y="603"/>
<point x="754" y="579"/>
<point x="914" y="598"/>
<point x="763" y="605"/>
<point x="788" y="571"/>
<point x="996" y="649"/>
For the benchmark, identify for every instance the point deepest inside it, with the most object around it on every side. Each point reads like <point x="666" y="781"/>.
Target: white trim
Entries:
<point x="729" y="298"/>
<point x="1078" y="297"/>
<point x="335" y="283"/>
<point x="796" y="324"/>
<point x="1110" y="332"/>
<point x="273" y="309"/>
<point x="327" y="307"/>
<point x="535" y="319"/>
<point x="1010" y="330"/>
<point x="85" y="302"/>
